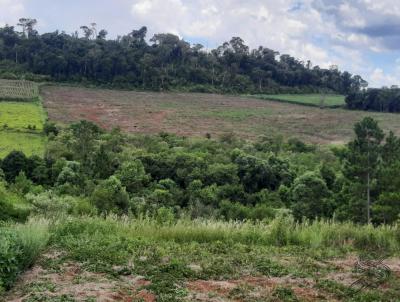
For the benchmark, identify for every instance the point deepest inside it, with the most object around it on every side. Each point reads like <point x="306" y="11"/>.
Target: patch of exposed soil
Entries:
<point x="251" y="287"/>
<point x="73" y="281"/>
<point x="195" y="114"/>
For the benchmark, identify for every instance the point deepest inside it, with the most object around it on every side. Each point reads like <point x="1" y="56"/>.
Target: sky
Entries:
<point x="360" y="36"/>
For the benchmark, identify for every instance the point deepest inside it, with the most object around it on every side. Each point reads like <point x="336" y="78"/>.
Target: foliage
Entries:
<point x="382" y="100"/>
<point x="165" y="62"/>
<point x="110" y="196"/>
<point x="311" y="197"/>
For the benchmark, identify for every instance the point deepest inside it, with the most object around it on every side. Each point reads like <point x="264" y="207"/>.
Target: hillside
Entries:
<point x="192" y="114"/>
<point x="139" y="215"/>
<point x="163" y="62"/>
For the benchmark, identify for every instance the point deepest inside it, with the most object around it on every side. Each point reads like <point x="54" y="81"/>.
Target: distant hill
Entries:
<point x="165" y="62"/>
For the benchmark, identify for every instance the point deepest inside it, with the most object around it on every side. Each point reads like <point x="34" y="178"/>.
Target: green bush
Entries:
<point x="12" y="206"/>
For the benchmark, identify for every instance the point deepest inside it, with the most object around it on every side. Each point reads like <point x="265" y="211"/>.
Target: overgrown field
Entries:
<point x="319" y="100"/>
<point x="199" y="114"/>
<point x="116" y="259"/>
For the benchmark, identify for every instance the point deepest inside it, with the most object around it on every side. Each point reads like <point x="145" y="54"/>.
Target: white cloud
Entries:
<point x="379" y="78"/>
<point x="10" y="11"/>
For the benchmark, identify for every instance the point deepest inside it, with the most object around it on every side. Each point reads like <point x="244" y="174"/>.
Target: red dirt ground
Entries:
<point x="193" y="114"/>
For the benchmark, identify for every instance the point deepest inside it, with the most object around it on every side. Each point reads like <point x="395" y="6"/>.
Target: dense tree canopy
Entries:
<point x="382" y="100"/>
<point x="200" y="177"/>
<point x="163" y="62"/>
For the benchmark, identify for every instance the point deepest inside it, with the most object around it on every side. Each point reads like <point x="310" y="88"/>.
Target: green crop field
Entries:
<point x="29" y="143"/>
<point x="21" y="118"/>
<point x="21" y="115"/>
<point x="306" y="99"/>
<point x="18" y="90"/>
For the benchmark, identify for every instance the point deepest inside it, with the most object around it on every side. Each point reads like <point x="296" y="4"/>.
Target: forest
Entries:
<point x="382" y="100"/>
<point x="163" y="62"/>
<point x="88" y="171"/>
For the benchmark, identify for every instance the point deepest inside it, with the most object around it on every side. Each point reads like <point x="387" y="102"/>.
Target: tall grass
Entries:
<point x="282" y="231"/>
<point x="20" y="245"/>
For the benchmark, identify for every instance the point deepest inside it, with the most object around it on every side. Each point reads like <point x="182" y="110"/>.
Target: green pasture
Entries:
<point x="29" y="143"/>
<point x="21" y="116"/>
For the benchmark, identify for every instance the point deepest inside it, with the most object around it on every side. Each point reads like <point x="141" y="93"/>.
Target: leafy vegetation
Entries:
<point x="166" y="62"/>
<point x="320" y="100"/>
<point x="382" y="100"/>
<point x="184" y="213"/>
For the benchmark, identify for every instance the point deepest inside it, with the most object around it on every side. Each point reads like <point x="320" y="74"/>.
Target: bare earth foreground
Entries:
<point x="54" y="280"/>
<point x="193" y="114"/>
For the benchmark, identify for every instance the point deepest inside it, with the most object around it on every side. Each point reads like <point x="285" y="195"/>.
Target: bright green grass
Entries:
<point x="21" y="115"/>
<point x="29" y="143"/>
<point x="307" y="99"/>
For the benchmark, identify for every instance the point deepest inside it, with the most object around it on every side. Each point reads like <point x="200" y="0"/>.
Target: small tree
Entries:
<point x="111" y="196"/>
<point x="363" y="157"/>
<point x="133" y="176"/>
<point x="13" y="164"/>
<point x="311" y="197"/>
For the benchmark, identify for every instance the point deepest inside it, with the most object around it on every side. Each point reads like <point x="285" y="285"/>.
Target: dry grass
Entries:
<point x="198" y="114"/>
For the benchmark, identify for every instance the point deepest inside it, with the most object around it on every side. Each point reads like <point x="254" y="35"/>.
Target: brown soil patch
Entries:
<point x="251" y="287"/>
<point x="194" y="114"/>
<point x="75" y="282"/>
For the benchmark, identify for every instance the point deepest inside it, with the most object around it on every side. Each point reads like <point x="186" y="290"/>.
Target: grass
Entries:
<point x="21" y="125"/>
<point x="20" y="245"/>
<point x="330" y="100"/>
<point x="182" y="260"/>
<point x="21" y="116"/>
<point x="28" y="143"/>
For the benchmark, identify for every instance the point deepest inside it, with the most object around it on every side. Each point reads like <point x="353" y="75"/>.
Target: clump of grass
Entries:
<point x="20" y="245"/>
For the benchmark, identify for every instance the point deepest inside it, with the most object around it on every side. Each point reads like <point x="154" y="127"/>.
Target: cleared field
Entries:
<point x="306" y="99"/>
<point x="21" y="115"/>
<point x="30" y="144"/>
<point x="197" y="114"/>
<point x="18" y="90"/>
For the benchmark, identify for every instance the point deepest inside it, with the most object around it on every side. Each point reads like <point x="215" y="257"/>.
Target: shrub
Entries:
<point x="111" y="196"/>
<point x="50" y="128"/>
<point x="12" y="206"/>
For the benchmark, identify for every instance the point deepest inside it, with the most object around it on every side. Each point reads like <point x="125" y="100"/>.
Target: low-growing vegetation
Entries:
<point x="21" y="118"/>
<point x="28" y="143"/>
<point x="169" y="218"/>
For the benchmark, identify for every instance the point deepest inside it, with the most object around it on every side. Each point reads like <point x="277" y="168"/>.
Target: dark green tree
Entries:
<point x="363" y="158"/>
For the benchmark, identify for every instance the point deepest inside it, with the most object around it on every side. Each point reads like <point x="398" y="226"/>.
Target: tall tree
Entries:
<point x="363" y="157"/>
